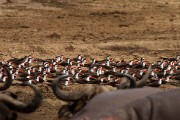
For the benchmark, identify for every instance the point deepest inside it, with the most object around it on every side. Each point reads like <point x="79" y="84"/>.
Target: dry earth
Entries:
<point x="123" y="29"/>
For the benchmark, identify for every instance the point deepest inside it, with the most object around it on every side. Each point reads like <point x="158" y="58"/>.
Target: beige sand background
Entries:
<point x="123" y="29"/>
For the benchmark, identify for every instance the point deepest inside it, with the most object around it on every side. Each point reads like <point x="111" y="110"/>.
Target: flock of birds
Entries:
<point x="83" y="70"/>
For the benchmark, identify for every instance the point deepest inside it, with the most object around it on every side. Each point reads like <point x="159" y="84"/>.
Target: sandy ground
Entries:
<point x="123" y="29"/>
